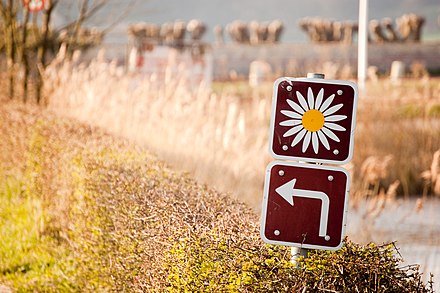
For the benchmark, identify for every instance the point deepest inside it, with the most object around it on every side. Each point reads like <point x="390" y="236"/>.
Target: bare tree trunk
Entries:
<point x="19" y="54"/>
<point x="24" y="56"/>
<point x="41" y="55"/>
<point x="9" y="15"/>
<point x="78" y="24"/>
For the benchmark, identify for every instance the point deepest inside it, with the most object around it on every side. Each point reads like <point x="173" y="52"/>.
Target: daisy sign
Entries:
<point x="313" y="120"/>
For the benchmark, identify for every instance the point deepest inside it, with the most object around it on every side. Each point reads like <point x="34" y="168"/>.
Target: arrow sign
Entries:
<point x="304" y="205"/>
<point x="288" y="191"/>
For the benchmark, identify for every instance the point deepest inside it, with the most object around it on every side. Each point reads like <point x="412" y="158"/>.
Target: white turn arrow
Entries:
<point x="288" y="191"/>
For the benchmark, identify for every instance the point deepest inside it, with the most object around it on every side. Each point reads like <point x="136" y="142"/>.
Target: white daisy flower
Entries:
<point x="313" y="120"/>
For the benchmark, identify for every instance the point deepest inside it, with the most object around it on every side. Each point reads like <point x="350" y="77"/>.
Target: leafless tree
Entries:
<point x="27" y="45"/>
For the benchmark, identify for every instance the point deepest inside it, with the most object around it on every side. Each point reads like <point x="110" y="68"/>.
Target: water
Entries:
<point x="413" y="225"/>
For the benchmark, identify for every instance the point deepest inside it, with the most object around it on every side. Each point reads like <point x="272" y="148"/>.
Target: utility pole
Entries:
<point x="363" y="44"/>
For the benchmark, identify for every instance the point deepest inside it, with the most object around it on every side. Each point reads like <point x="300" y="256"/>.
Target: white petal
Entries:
<point x="334" y="118"/>
<point x="293" y="130"/>
<point x="302" y="101"/>
<point x="330" y="134"/>
<point x="311" y="98"/>
<point x="327" y="103"/>
<point x="334" y="126"/>
<point x="306" y="141"/>
<point x="323" y="140"/>
<point x="298" y="137"/>
<point x="319" y="99"/>
<point x="315" y="142"/>
<point x="290" y="122"/>
<point x="332" y="110"/>
<point x="291" y="114"/>
<point x="295" y="106"/>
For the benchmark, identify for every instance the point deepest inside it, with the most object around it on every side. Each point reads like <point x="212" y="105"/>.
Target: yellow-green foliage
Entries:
<point x="30" y="259"/>
<point x="434" y="111"/>
<point x="356" y="268"/>
<point x="214" y="262"/>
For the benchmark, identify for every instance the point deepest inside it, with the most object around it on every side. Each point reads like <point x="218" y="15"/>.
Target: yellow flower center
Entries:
<point x="313" y="120"/>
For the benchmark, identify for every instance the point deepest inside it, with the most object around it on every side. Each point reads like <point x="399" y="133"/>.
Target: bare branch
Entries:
<point x="121" y="16"/>
<point x="86" y="15"/>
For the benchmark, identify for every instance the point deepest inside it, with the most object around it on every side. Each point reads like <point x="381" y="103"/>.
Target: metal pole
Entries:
<point x="315" y="75"/>
<point x="363" y="43"/>
<point x="297" y="252"/>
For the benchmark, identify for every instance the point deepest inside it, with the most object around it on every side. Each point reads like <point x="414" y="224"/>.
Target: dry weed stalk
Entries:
<point x="373" y="171"/>
<point x="376" y="204"/>
<point x="420" y="203"/>
<point x="375" y="168"/>
<point x="432" y="176"/>
<point x="373" y="196"/>
<point x="372" y="208"/>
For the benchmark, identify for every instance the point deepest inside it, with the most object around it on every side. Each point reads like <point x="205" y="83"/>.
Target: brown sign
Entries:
<point x="313" y="120"/>
<point x="304" y="205"/>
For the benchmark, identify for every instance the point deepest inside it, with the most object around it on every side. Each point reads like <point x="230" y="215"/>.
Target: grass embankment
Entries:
<point x="82" y="211"/>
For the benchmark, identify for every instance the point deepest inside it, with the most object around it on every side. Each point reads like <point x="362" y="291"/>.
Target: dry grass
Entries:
<point x="221" y="136"/>
<point x="399" y="125"/>
<point x="432" y="176"/>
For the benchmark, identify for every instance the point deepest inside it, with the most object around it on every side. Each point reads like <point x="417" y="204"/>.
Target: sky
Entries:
<point x="222" y="12"/>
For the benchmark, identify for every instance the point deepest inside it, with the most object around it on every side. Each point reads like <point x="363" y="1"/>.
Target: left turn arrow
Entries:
<point x="288" y="192"/>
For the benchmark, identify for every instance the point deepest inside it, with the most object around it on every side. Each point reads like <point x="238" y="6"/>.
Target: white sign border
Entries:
<point x="266" y="197"/>
<point x="312" y="80"/>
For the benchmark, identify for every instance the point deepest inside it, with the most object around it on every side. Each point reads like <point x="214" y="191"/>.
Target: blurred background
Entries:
<point x="199" y="86"/>
<point x="192" y="82"/>
<point x="217" y="12"/>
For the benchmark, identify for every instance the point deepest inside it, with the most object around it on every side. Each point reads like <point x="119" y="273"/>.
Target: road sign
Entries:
<point x="313" y="120"/>
<point x="304" y="205"/>
<point x="34" y="5"/>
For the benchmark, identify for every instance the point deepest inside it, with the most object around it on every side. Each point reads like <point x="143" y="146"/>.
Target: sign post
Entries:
<point x="305" y="205"/>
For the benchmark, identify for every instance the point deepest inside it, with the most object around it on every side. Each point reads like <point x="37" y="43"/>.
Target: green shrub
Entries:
<point x="356" y="268"/>
<point x="90" y="213"/>
<point x="434" y="111"/>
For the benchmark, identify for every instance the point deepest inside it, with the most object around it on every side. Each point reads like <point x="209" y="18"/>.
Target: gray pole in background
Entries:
<point x="298" y="252"/>
<point x="363" y="44"/>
